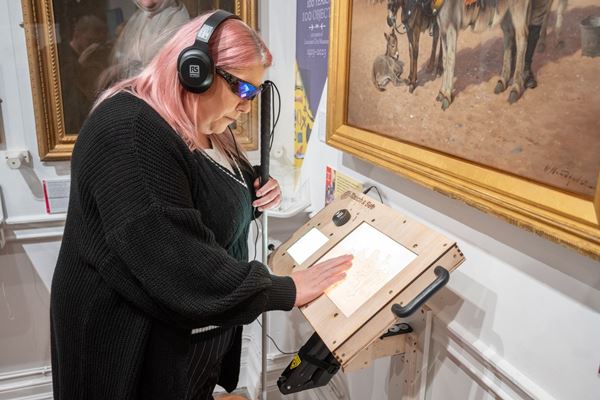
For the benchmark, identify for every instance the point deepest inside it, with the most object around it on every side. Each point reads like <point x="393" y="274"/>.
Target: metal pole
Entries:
<point x="265" y="319"/>
<point x="265" y="143"/>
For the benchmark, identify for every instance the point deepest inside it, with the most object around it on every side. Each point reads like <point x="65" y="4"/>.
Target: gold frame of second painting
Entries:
<point x="53" y="142"/>
<point x="550" y="212"/>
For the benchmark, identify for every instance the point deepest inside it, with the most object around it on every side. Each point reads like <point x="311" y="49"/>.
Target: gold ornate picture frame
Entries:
<point x="42" y="30"/>
<point x="560" y="215"/>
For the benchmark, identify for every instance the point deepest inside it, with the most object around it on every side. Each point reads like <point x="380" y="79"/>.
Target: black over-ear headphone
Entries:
<point x="195" y="66"/>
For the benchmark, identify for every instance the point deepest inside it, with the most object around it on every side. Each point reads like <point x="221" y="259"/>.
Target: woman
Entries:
<point x="152" y="281"/>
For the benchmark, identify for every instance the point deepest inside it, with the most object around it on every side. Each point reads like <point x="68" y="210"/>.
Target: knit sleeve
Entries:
<point x="142" y="191"/>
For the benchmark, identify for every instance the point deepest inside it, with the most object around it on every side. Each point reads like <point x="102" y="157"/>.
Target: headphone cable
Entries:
<point x="274" y="89"/>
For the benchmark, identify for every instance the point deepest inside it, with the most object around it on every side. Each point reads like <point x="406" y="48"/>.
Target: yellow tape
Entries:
<point x="295" y="362"/>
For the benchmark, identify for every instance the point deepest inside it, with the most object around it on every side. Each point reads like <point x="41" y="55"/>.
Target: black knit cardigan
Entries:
<point x="155" y="245"/>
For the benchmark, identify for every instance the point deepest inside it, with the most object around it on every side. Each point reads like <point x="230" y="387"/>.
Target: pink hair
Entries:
<point x="233" y="45"/>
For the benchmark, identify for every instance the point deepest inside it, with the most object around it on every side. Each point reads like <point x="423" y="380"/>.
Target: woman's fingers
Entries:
<point x="269" y="195"/>
<point x="333" y="280"/>
<point x="335" y="270"/>
<point x="332" y="262"/>
<point x="267" y="187"/>
<point x="269" y="198"/>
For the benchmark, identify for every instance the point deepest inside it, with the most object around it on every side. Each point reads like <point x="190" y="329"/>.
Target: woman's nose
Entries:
<point x="244" y="106"/>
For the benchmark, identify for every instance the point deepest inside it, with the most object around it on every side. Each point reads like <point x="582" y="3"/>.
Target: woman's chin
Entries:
<point x="222" y="127"/>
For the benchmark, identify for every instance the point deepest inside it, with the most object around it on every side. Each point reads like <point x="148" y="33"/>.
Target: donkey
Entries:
<point x="387" y="67"/>
<point x="560" y="43"/>
<point x="455" y="15"/>
<point x="417" y="17"/>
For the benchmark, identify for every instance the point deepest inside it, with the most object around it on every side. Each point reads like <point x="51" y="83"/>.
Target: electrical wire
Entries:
<point x="256" y="239"/>
<point x="275" y="344"/>
<point x="377" y="190"/>
<point x="274" y="89"/>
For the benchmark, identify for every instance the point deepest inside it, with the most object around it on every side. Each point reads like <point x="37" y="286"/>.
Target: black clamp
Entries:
<point x="330" y="368"/>
<point x="398" y="329"/>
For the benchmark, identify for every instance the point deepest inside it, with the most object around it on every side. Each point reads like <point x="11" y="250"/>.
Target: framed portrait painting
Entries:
<point x="77" y="48"/>
<point x="496" y="106"/>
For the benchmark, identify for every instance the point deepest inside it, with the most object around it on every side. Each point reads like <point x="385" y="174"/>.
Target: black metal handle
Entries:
<point x="443" y="276"/>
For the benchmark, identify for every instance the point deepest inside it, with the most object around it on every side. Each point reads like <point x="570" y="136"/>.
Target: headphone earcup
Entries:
<point x="195" y="69"/>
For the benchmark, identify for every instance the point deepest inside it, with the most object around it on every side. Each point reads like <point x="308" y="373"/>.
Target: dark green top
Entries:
<point x="155" y="244"/>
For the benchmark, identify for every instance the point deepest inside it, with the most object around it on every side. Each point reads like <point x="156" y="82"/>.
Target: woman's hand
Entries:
<point x="269" y="195"/>
<point x="312" y="282"/>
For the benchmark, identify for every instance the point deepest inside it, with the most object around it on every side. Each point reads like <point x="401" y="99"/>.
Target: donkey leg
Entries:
<point x="436" y="34"/>
<point x="532" y="37"/>
<point x="411" y="56"/>
<point x="443" y="43"/>
<point x="443" y="39"/>
<point x="507" y="63"/>
<point x="440" y="66"/>
<point x="562" y="6"/>
<point x="542" y="43"/>
<point x="519" y="20"/>
<point x="450" y="57"/>
<point x="414" y="60"/>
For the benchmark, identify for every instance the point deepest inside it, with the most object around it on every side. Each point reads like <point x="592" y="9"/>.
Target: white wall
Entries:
<point x="519" y="319"/>
<point x="24" y="297"/>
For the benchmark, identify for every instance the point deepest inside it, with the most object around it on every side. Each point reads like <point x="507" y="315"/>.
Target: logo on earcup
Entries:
<point x="194" y="71"/>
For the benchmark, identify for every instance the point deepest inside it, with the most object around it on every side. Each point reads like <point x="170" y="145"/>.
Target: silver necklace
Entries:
<point x="228" y="172"/>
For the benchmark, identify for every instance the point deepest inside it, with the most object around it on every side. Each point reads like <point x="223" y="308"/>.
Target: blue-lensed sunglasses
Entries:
<point x="245" y="90"/>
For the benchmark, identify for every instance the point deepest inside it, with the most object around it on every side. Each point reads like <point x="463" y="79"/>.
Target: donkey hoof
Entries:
<point x="439" y="97"/>
<point x="411" y="87"/>
<point x="500" y="87"/>
<point x="445" y="104"/>
<point x="541" y="47"/>
<point x="513" y="96"/>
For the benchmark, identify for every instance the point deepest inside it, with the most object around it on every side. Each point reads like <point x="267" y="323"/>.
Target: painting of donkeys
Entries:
<point x="511" y="85"/>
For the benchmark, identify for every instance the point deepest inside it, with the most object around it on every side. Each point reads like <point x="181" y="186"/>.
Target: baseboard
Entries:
<point x="480" y="362"/>
<point x="36" y="383"/>
<point x="484" y="365"/>
<point x="30" y="384"/>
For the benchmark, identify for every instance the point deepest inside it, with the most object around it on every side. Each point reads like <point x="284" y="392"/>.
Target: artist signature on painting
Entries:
<point x="566" y="174"/>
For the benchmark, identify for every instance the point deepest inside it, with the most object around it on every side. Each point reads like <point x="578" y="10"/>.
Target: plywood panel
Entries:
<point x="394" y="261"/>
